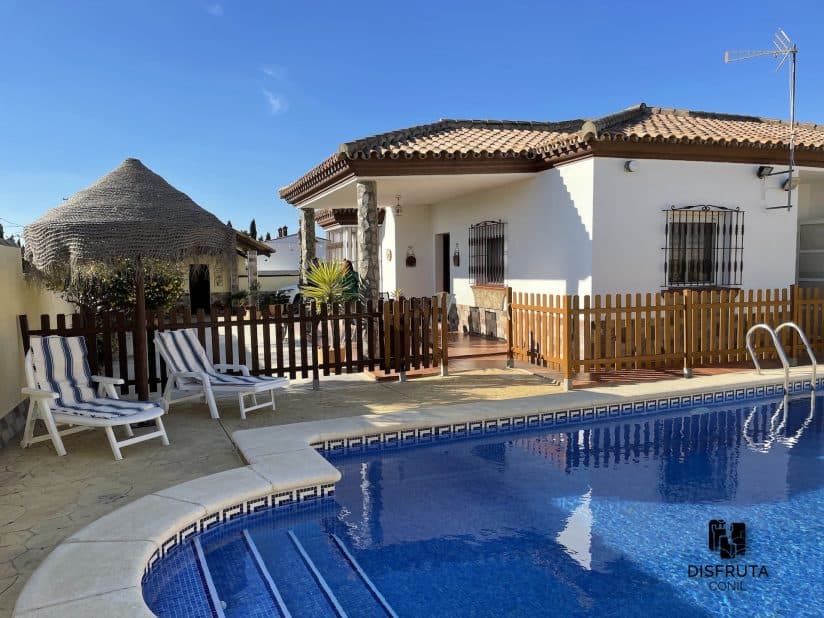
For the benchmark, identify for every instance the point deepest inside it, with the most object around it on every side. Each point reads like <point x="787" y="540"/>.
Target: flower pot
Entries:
<point x="333" y="354"/>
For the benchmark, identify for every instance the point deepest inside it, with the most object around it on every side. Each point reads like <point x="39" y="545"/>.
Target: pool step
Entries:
<point x="237" y="581"/>
<point x="316" y="575"/>
<point x="288" y="571"/>
<point x="208" y="580"/>
<point x="273" y="589"/>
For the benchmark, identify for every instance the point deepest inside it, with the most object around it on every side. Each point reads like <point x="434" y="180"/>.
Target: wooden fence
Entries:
<point x="572" y="334"/>
<point x="296" y="341"/>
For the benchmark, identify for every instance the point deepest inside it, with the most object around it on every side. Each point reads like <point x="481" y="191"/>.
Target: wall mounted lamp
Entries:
<point x="631" y="166"/>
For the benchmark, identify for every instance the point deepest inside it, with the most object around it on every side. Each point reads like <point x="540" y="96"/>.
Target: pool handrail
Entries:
<point x="778" y="347"/>
<point x="806" y="343"/>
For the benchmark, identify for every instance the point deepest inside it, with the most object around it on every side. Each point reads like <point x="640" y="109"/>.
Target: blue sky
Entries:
<point x="230" y="99"/>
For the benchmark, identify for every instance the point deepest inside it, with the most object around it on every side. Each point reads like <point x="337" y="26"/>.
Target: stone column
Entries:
<point x="368" y="237"/>
<point x="306" y="232"/>
<point x="231" y="266"/>
<point x="252" y="275"/>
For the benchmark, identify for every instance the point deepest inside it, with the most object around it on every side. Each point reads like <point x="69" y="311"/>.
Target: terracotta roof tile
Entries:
<point x="507" y="139"/>
<point x="462" y="138"/>
<point x="677" y="124"/>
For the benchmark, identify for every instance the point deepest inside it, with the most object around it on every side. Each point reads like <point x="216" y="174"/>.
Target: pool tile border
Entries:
<point x="553" y="418"/>
<point x="229" y="513"/>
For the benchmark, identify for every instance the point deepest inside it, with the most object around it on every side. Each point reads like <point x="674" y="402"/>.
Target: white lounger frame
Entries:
<point x="204" y="389"/>
<point x="40" y="408"/>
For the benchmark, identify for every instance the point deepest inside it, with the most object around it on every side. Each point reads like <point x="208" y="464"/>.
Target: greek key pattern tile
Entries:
<point x="229" y="513"/>
<point x="608" y="411"/>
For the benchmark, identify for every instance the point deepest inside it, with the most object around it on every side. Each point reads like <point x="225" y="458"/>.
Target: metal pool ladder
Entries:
<point x="780" y="349"/>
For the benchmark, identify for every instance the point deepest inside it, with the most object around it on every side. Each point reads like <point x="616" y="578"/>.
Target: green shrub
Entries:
<point x="111" y="287"/>
<point x="272" y="298"/>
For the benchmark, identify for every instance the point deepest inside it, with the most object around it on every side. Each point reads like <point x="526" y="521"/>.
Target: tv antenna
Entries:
<point x="783" y="49"/>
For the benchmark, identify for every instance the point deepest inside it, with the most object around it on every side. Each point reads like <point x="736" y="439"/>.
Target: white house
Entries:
<point x="642" y="200"/>
<point x="282" y="266"/>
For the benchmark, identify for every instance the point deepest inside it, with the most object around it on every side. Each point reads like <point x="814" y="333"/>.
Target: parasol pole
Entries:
<point x="141" y="356"/>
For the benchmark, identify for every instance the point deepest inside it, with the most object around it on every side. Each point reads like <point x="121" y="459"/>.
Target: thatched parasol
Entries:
<point x="130" y="213"/>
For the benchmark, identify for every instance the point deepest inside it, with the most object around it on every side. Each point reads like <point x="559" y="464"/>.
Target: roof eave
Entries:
<point x="247" y="242"/>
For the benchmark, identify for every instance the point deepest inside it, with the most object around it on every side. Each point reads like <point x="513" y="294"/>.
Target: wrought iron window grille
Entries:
<point x="703" y="247"/>
<point x="486" y="253"/>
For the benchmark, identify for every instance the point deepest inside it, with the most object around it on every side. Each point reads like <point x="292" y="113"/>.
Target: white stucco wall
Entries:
<point x="413" y="229"/>
<point x="386" y="234"/>
<point x="548" y="231"/>
<point x="628" y="235"/>
<point x="591" y="227"/>
<point x="20" y="296"/>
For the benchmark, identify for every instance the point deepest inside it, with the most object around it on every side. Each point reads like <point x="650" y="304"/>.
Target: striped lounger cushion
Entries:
<point x="186" y="354"/>
<point x="62" y="367"/>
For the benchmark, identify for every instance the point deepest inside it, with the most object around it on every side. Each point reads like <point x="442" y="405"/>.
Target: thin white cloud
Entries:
<point x="275" y="72"/>
<point x="215" y="9"/>
<point x="277" y="103"/>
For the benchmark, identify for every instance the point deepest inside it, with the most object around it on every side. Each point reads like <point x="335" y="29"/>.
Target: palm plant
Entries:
<point x="326" y="282"/>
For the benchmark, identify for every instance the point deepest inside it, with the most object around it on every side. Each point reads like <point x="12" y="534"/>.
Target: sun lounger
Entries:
<point x="191" y="371"/>
<point x="61" y="390"/>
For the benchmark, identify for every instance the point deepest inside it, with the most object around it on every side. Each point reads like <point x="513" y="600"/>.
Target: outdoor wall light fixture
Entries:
<point x="631" y="166"/>
<point x="398" y="209"/>
<point x="456" y="256"/>
<point x="411" y="261"/>
<point x="389" y="255"/>
<point x="764" y="171"/>
<point x="790" y="184"/>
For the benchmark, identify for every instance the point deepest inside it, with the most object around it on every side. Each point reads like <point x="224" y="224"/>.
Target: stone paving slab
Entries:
<point x="45" y="499"/>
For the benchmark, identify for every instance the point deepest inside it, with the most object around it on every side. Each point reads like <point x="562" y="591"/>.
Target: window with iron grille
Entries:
<point x="704" y="246"/>
<point x="486" y="253"/>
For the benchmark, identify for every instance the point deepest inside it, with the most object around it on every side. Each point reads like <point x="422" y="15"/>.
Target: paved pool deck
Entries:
<point x="44" y="499"/>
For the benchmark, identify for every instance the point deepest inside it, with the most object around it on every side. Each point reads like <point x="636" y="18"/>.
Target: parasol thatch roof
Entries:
<point x="130" y="212"/>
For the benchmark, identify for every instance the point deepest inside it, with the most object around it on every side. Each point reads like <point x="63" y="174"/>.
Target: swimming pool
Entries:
<point x="610" y="518"/>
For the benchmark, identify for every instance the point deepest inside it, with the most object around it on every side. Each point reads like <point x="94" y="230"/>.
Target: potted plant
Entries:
<point x="238" y="299"/>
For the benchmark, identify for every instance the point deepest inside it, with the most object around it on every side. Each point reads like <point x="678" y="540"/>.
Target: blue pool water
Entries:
<point x="607" y="519"/>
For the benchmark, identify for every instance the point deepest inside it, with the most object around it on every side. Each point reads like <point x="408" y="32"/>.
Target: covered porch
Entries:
<point x="413" y="236"/>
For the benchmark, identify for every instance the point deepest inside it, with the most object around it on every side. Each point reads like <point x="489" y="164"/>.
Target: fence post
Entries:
<point x="401" y="320"/>
<point x="444" y="336"/>
<point x="24" y="331"/>
<point x="510" y="353"/>
<point x="567" y="341"/>
<point x="386" y="360"/>
<point x="313" y="317"/>
<point x="687" y="330"/>
<point x="795" y="316"/>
